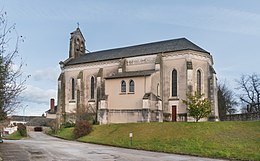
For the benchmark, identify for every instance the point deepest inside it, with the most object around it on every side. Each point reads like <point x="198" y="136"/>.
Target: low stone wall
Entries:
<point x="243" y="117"/>
<point x="31" y="128"/>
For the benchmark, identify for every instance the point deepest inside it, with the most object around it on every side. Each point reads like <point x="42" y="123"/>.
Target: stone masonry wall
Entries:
<point x="243" y="117"/>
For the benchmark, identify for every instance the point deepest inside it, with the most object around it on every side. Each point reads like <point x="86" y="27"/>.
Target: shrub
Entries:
<point x="53" y="124"/>
<point x="82" y="128"/>
<point x="22" y="129"/>
<point x="197" y="106"/>
<point x="68" y="124"/>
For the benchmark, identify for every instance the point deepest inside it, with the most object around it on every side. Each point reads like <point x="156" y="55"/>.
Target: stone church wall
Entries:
<point x="141" y="62"/>
<point x="88" y="72"/>
<point x="178" y="63"/>
<point x="203" y="66"/>
<point x="118" y="100"/>
<point x="155" y="81"/>
<point x="125" y="116"/>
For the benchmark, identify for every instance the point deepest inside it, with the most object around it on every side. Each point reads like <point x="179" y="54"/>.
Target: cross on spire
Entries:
<point x="78" y="24"/>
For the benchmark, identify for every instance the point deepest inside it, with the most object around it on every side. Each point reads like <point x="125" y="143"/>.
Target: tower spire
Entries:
<point x="77" y="44"/>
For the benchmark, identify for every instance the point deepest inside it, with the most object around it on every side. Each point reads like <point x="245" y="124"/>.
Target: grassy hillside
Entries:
<point x="65" y="133"/>
<point x="238" y="140"/>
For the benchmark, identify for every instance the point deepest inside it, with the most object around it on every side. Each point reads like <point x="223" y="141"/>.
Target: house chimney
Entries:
<point x="52" y="104"/>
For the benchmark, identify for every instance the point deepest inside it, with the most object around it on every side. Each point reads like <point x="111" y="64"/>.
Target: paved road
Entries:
<point x="41" y="147"/>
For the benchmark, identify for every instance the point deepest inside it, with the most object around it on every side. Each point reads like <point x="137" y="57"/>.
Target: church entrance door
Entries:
<point x="173" y="113"/>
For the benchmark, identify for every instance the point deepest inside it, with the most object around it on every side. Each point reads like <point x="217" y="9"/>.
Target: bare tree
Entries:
<point x="11" y="81"/>
<point x="226" y="100"/>
<point x="249" y="86"/>
<point x="85" y="113"/>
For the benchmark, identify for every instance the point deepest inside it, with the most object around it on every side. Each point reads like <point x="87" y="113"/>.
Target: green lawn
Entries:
<point x="233" y="140"/>
<point x="14" y="136"/>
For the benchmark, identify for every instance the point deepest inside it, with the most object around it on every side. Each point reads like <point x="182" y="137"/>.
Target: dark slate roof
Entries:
<point x="52" y="112"/>
<point x="137" y="50"/>
<point x="151" y="96"/>
<point x="132" y="74"/>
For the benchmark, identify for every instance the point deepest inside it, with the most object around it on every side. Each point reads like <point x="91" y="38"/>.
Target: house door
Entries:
<point x="173" y="113"/>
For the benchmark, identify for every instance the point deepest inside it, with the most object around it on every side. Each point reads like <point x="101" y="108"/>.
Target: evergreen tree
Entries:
<point x="226" y="101"/>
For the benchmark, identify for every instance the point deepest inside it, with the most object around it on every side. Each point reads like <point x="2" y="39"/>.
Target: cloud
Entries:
<point x="198" y="15"/>
<point x="33" y="109"/>
<point x="37" y="95"/>
<point x="41" y="87"/>
<point x="49" y="74"/>
<point x="204" y="17"/>
<point x="230" y="20"/>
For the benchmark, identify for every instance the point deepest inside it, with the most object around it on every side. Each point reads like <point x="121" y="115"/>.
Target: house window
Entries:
<point x="72" y="88"/>
<point x="123" y="86"/>
<point x="131" y="86"/>
<point x="92" y="83"/>
<point x="199" y="82"/>
<point x="174" y="83"/>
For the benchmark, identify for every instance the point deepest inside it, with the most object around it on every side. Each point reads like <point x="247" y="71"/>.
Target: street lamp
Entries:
<point x="131" y="137"/>
<point x="24" y="112"/>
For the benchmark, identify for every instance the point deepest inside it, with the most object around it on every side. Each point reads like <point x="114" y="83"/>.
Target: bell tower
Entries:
<point x="77" y="44"/>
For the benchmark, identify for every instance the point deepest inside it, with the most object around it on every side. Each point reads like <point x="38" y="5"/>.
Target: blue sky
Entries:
<point x="229" y="30"/>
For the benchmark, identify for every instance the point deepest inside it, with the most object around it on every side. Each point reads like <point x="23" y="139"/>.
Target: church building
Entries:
<point x="141" y="83"/>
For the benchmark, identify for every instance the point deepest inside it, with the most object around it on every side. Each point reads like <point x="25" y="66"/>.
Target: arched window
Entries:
<point x="92" y="83"/>
<point x="174" y="83"/>
<point x="72" y="88"/>
<point x="199" y="82"/>
<point x="158" y="89"/>
<point x="123" y="86"/>
<point x="131" y="86"/>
